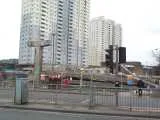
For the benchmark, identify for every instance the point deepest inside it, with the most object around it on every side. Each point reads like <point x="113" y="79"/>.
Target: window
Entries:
<point x="59" y="43"/>
<point x="60" y="9"/>
<point x="59" y="31"/>
<point x="70" y="45"/>
<point x="42" y="23"/>
<point x="69" y="48"/>
<point x="60" y="13"/>
<point x="59" y="23"/>
<point x="43" y="15"/>
<point x="44" y="3"/>
<point x="44" y="6"/>
<point x="60" y="5"/>
<point x="42" y="27"/>
<point x="60" y="16"/>
<point x="60" y="1"/>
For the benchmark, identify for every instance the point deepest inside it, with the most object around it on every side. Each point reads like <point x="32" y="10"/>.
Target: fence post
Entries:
<point x="130" y="109"/>
<point x="150" y="102"/>
<point x="116" y="94"/>
<point x="56" y="94"/>
<point x="91" y="95"/>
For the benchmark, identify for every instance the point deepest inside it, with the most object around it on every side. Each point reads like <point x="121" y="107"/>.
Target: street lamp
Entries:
<point x="53" y="46"/>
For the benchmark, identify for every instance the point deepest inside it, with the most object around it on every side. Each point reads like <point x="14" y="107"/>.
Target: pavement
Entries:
<point x="97" y="110"/>
<point x="15" y="114"/>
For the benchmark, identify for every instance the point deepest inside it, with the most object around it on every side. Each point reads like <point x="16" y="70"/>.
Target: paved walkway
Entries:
<point x="98" y="110"/>
<point x="15" y="114"/>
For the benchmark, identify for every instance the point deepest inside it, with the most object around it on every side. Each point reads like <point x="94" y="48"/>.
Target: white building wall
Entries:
<point x="83" y="22"/>
<point x="118" y="35"/>
<point x="97" y="41"/>
<point x="102" y="33"/>
<point x="36" y="24"/>
<point x="73" y="23"/>
<point x="110" y="32"/>
<point x="67" y="19"/>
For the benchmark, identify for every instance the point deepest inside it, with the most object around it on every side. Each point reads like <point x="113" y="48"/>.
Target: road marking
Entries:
<point x="85" y="101"/>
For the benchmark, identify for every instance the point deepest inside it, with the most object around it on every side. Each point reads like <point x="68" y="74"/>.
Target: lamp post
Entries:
<point x="53" y="46"/>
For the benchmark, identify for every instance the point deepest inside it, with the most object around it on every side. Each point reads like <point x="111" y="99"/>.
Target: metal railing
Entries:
<point x="126" y="98"/>
<point x="91" y="96"/>
<point x="129" y="98"/>
<point x="59" y="94"/>
<point x="133" y="99"/>
<point x="7" y="89"/>
<point x="7" y="84"/>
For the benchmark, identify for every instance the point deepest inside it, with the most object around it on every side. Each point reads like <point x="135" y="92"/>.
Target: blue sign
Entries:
<point x="130" y="82"/>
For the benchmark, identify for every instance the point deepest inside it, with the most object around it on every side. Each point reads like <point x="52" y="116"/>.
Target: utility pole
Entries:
<point x="39" y="45"/>
<point x="117" y="60"/>
<point x="52" y="59"/>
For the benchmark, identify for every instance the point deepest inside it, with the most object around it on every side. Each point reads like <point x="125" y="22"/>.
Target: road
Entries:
<point x="8" y="114"/>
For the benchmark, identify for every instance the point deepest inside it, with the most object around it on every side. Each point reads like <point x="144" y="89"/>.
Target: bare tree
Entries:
<point x="156" y="54"/>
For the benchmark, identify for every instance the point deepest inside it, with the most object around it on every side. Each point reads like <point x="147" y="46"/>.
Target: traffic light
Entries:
<point x="109" y="58"/>
<point x="122" y="55"/>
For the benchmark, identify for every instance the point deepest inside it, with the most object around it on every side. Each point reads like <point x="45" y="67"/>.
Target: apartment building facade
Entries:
<point x="102" y="33"/>
<point x="63" y="21"/>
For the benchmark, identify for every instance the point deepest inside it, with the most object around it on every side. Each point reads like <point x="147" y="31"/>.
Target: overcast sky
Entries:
<point x="140" y="21"/>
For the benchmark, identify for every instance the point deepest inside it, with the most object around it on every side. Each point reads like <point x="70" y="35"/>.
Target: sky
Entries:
<point x="140" y="20"/>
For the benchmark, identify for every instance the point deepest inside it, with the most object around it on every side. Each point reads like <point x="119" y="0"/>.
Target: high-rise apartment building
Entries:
<point x="97" y="43"/>
<point x="118" y="35"/>
<point x="36" y="24"/>
<point x="66" y="19"/>
<point x="102" y="33"/>
<point x="110" y="32"/>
